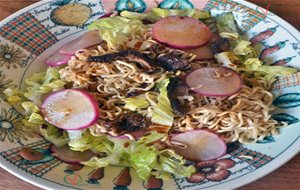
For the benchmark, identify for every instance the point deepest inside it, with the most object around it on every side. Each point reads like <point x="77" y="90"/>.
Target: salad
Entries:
<point x="151" y="91"/>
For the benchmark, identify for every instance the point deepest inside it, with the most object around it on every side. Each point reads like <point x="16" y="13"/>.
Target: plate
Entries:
<point x="30" y="35"/>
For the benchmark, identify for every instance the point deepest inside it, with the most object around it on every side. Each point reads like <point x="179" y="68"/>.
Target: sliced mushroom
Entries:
<point x="127" y="123"/>
<point x="177" y="88"/>
<point x="172" y="62"/>
<point x="130" y="55"/>
<point x="220" y="45"/>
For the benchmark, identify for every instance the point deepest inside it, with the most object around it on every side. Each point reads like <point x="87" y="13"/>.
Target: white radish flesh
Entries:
<point x="70" y="109"/>
<point x="181" y="32"/>
<point x="198" y="145"/>
<point x="214" y="81"/>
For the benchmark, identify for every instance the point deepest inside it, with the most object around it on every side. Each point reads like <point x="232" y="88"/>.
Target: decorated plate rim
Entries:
<point x="282" y="158"/>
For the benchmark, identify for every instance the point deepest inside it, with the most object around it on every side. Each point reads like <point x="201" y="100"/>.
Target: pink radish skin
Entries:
<point x="181" y="32"/>
<point x="87" y="40"/>
<point x="201" y="144"/>
<point x="106" y="15"/>
<point x="67" y="155"/>
<point x="205" y="53"/>
<point x="58" y="59"/>
<point x="203" y="81"/>
<point x="70" y="109"/>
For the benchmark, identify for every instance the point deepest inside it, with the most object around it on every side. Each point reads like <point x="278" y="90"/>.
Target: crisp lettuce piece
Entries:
<point x="36" y="119"/>
<point x="140" y="16"/>
<point x="252" y="64"/>
<point x="54" y="135"/>
<point x="197" y="14"/>
<point x="276" y="70"/>
<point x="227" y="27"/>
<point x="134" y="103"/>
<point x="162" y="113"/>
<point x="29" y="107"/>
<point x="116" y="30"/>
<point x="228" y="59"/>
<point x="146" y="159"/>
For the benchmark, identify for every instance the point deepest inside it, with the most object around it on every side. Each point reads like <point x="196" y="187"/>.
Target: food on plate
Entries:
<point x="151" y="91"/>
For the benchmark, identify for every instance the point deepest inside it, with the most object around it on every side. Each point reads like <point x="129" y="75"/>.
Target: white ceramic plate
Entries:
<point x="30" y="35"/>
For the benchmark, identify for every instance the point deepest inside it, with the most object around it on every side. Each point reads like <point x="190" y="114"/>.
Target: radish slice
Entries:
<point x="181" y="32"/>
<point x="88" y="39"/>
<point x="198" y="145"/>
<point x="67" y="155"/>
<point x="205" y="52"/>
<point x="70" y="109"/>
<point x="58" y="59"/>
<point x="214" y="81"/>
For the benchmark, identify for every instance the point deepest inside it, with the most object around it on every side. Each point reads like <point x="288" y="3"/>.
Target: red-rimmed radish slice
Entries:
<point x="88" y="39"/>
<point x="67" y="155"/>
<point x="198" y="145"/>
<point x="181" y="32"/>
<point x="205" y="52"/>
<point x="57" y="59"/>
<point x="70" y="109"/>
<point x="214" y="81"/>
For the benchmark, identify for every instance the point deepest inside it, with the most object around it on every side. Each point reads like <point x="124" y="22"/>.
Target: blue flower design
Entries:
<point x="176" y="4"/>
<point x="11" y="127"/>
<point x="131" y="5"/>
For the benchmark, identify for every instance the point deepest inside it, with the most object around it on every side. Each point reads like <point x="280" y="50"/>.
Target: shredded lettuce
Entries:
<point x="54" y="135"/>
<point x="116" y="30"/>
<point x="197" y="14"/>
<point x="145" y="158"/>
<point x="244" y="57"/>
<point x="162" y="113"/>
<point x="27" y="102"/>
<point x="140" y="16"/>
<point x="226" y="26"/>
<point x="134" y="103"/>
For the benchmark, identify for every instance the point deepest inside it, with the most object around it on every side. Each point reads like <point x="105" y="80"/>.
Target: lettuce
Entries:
<point x="145" y="158"/>
<point x="27" y="102"/>
<point x="140" y="16"/>
<point x="134" y="103"/>
<point x="227" y="27"/>
<point x="197" y="14"/>
<point x="162" y="113"/>
<point x="54" y="135"/>
<point x="116" y="30"/>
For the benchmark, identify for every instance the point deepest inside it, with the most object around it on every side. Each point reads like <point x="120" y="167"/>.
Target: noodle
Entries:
<point x="243" y="117"/>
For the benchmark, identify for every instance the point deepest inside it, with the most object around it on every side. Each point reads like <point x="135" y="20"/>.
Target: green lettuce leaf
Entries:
<point x="197" y="14"/>
<point x="163" y="113"/>
<point x="116" y="30"/>
<point x="140" y="16"/>
<point x="138" y="102"/>
<point x="144" y="157"/>
<point x="227" y="27"/>
<point x="54" y="135"/>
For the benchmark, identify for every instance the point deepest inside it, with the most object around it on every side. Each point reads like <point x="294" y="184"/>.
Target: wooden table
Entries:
<point x="286" y="177"/>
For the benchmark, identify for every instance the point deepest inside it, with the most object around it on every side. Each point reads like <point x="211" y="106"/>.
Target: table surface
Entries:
<point x="286" y="177"/>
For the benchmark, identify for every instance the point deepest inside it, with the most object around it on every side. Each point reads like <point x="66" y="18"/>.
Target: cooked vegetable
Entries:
<point x="178" y="89"/>
<point x="198" y="145"/>
<point x="127" y="123"/>
<point x="87" y="40"/>
<point x="64" y="110"/>
<point x="130" y="55"/>
<point x="172" y="62"/>
<point x="214" y="81"/>
<point x="226" y="26"/>
<point x="134" y="103"/>
<point x="181" y="32"/>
